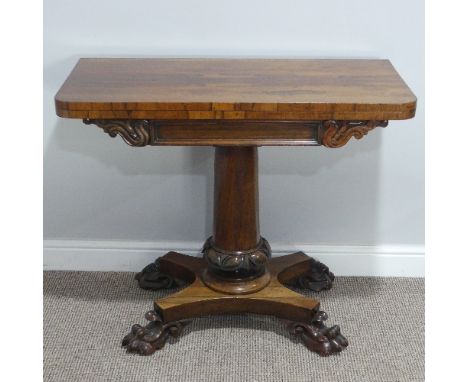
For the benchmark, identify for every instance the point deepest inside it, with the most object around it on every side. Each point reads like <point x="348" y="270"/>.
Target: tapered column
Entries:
<point x="235" y="223"/>
<point x="236" y="250"/>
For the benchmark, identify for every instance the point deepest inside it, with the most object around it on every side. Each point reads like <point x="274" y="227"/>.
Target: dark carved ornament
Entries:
<point x="151" y="277"/>
<point x="145" y="340"/>
<point x="338" y="133"/>
<point x="319" y="338"/>
<point x="241" y="263"/>
<point x="318" y="277"/>
<point x="135" y="132"/>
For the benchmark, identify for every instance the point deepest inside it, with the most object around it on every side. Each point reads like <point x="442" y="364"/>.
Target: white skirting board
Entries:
<point x="128" y="256"/>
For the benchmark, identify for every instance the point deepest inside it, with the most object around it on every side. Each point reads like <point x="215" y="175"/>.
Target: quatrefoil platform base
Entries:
<point x="171" y="314"/>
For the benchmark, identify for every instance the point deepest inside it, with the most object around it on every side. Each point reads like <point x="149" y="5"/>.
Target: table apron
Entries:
<point x="227" y="133"/>
<point x="143" y="132"/>
<point x="214" y="133"/>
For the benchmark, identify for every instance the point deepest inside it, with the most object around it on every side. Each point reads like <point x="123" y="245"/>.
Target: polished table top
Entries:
<point x="235" y="89"/>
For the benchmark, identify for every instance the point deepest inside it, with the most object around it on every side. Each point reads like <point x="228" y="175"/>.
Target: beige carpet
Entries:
<point x="86" y="314"/>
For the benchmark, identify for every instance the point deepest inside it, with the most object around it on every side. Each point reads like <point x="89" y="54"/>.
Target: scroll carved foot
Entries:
<point x="152" y="278"/>
<point x="317" y="278"/>
<point x="319" y="338"/>
<point x="145" y="340"/>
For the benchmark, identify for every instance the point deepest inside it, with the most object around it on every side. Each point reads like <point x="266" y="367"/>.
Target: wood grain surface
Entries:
<point x="199" y="300"/>
<point x="239" y="89"/>
<point x="235" y="213"/>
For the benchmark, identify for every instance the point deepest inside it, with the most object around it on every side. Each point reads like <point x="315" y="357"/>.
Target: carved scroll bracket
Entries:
<point x="338" y="133"/>
<point x="135" y="132"/>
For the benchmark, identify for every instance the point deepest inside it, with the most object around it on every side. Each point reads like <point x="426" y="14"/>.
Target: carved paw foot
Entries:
<point x="317" y="278"/>
<point x="145" y="340"/>
<point x="318" y="337"/>
<point x="152" y="278"/>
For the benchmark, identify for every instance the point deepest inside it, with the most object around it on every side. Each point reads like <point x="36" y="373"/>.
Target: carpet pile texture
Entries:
<point x="86" y="315"/>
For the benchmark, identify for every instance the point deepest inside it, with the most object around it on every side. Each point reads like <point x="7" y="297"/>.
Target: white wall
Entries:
<point x="369" y="193"/>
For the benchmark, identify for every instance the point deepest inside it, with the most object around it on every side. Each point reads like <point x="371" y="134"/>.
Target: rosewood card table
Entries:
<point x="236" y="106"/>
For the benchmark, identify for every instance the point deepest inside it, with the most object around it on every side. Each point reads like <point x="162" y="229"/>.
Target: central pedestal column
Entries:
<point x="236" y="253"/>
<point x="236" y="273"/>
